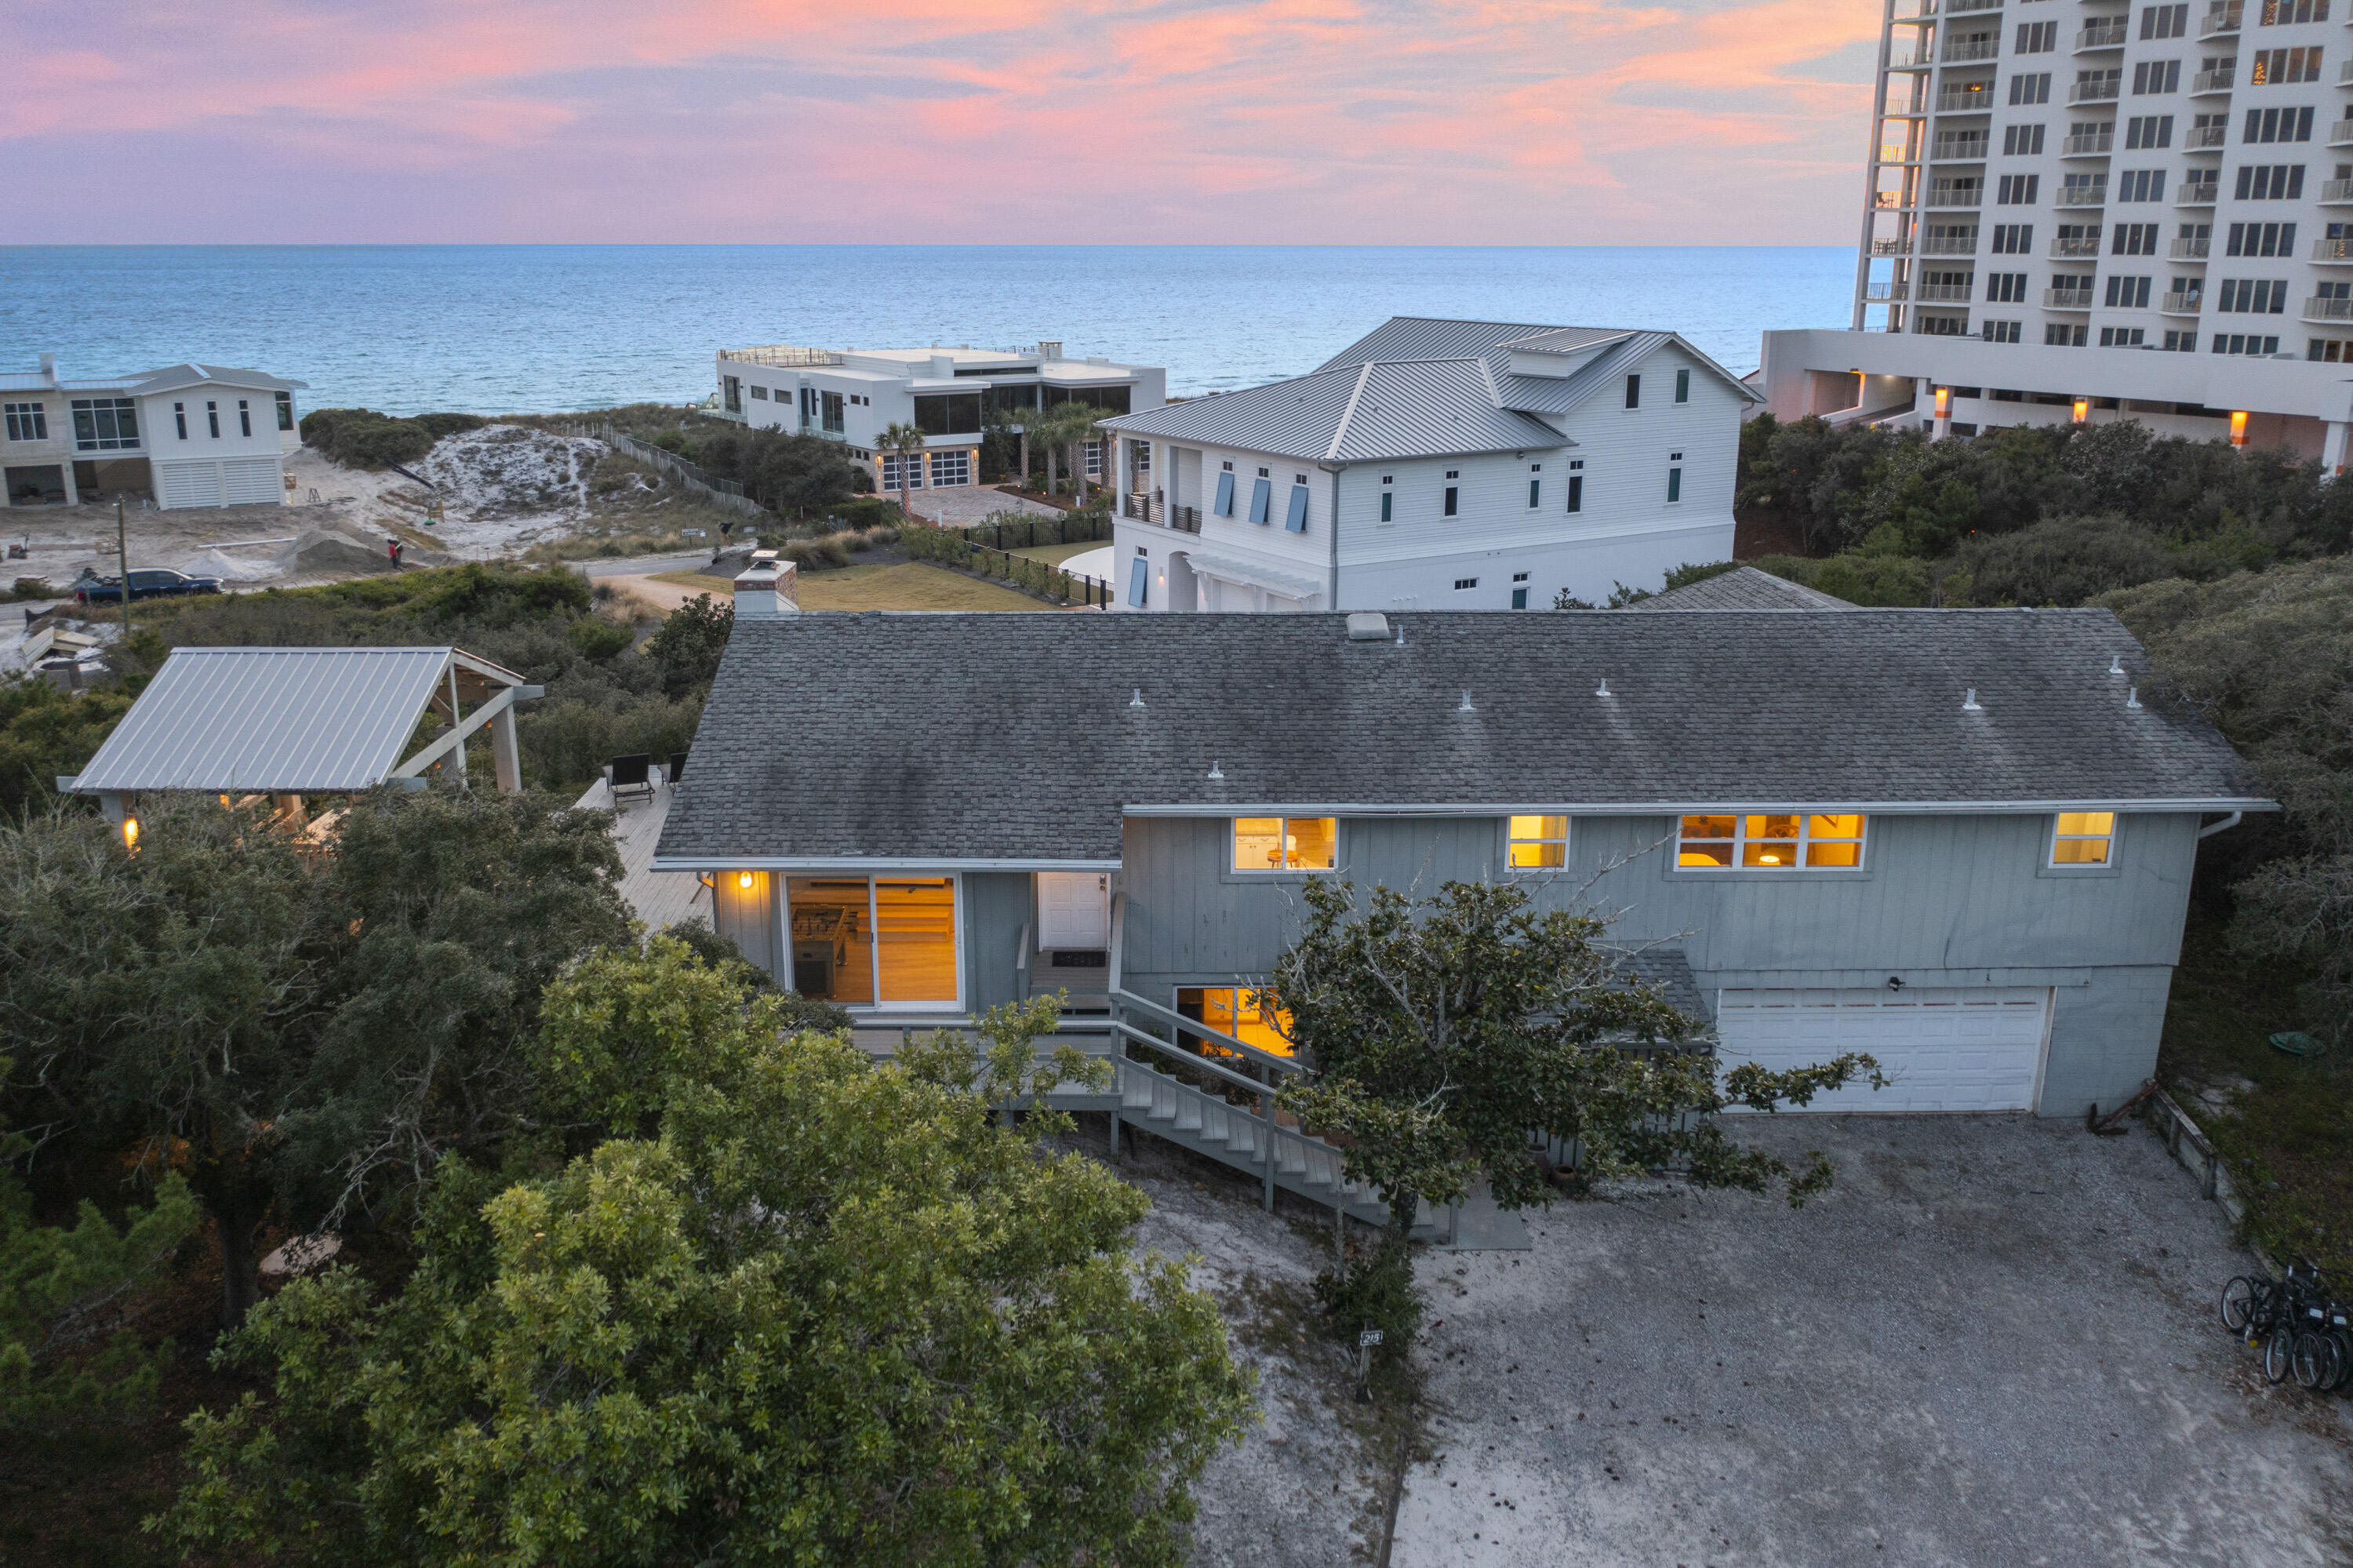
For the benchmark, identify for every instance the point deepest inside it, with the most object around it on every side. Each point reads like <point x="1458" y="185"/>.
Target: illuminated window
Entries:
<point x="1238" y="1013"/>
<point x="2083" y="838"/>
<point x="858" y="940"/>
<point x="1286" y="843"/>
<point x="1538" y="843"/>
<point x="1772" y="841"/>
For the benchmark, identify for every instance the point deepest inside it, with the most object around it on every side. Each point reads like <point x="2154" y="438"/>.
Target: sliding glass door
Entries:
<point x="865" y="941"/>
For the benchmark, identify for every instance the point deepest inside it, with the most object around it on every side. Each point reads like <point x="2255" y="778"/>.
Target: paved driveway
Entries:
<point x="1994" y="1344"/>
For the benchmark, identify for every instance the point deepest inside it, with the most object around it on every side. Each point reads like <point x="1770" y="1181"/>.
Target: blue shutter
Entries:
<point x="1225" y="506"/>
<point x="1261" y="494"/>
<point x="1139" y="578"/>
<point x="1295" y="520"/>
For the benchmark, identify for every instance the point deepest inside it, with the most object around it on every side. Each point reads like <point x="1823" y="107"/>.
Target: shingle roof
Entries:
<point x="979" y="738"/>
<point x="1362" y="414"/>
<point x="276" y="719"/>
<point x="1743" y="588"/>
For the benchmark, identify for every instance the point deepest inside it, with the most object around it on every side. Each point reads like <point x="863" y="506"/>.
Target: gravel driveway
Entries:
<point x="1992" y="1343"/>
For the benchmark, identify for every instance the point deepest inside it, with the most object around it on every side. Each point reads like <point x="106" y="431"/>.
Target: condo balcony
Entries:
<point x="2180" y="304"/>
<point x="2080" y="195"/>
<point x="1942" y="293"/>
<point x="2219" y="18"/>
<point x="2336" y="193"/>
<point x="1949" y="245"/>
<point x="2333" y="252"/>
<point x="1962" y="8"/>
<point x="1883" y="293"/>
<point x="2074" y="250"/>
<point x="1941" y="326"/>
<point x="1966" y="100"/>
<point x="1911" y="59"/>
<point x="2091" y="145"/>
<point x="2189" y="250"/>
<point x="2327" y="307"/>
<point x="2093" y="91"/>
<point x="2200" y="138"/>
<point x="2344" y="74"/>
<point x="1956" y="194"/>
<point x="2212" y="81"/>
<point x="2107" y="35"/>
<point x="2192" y="193"/>
<point x="1896" y="153"/>
<point x="2340" y="134"/>
<point x="1965" y="147"/>
<point x="1891" y="247"/>
<point x="1961" y="50"/>
<point x="2066" y="299"/>
<point x="1888" y="201"/>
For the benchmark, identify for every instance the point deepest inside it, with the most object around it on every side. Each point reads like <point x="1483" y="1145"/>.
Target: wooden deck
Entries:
<point x="659" y="898"/>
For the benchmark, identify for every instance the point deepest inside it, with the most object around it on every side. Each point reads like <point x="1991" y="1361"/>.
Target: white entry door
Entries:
<point x="1943" y="1048"/>
<point x="1073" y="909"/>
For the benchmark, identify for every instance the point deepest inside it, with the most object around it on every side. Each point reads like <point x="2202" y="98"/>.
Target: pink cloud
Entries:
<point x="1462" y="121"/>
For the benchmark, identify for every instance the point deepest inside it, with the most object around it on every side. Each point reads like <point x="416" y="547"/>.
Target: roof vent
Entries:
<point x="1969" y="704"/>
<point x="2132" y="697"/>
<point x="1217" y="774"/>
<point x="1603" y="689"/>
<point x="2116" y="664"/>
<point x="1368" y="626"/>
<point x="1136" y="701"/>
<point x="1400" y="641"/>
<point x="1466" y="707"/>
<point x="1049" y="349"/>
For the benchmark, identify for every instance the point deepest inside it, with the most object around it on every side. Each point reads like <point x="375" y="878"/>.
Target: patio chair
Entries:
<point x="677" y="768"/>
<point x="625" y="774"/>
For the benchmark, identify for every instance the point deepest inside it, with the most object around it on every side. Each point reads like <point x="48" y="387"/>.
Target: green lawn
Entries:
<point x="909" y="585"/>
<point x="1055" y="555"/>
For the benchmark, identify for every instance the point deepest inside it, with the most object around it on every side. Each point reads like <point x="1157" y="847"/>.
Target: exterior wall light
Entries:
<point x="1944" y="402"/>
<point x="743" y="880"/>
<point x="2239" y="430"/>
<point x="2082" y="409"/>
<point x="130" y="833"/>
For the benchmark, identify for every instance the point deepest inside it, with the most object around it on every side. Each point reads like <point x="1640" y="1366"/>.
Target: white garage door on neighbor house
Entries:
<point x="224" y="481"/>
<point x="1957" y="1048"/>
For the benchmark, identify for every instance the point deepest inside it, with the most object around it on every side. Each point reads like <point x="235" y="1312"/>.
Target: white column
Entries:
<point x="2332" y="450"/>
<point x="506" y="757"/>
<point x="457" y="753"/>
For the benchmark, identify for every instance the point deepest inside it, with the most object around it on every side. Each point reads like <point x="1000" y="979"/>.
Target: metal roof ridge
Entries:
<point x="1340" y="430"/>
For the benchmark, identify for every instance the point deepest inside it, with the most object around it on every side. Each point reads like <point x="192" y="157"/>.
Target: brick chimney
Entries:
<point x="767" y="588"/>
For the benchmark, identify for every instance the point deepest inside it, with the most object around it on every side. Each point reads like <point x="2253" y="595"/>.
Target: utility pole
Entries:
<point x="122" y="560"/>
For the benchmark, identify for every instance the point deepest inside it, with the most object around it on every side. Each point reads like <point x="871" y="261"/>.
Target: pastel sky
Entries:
<point x="1219" y="122"/>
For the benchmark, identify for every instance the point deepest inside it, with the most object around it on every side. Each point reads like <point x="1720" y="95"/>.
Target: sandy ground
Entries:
<point x="966" y="505"/>
<point x="1992" y="1342"/>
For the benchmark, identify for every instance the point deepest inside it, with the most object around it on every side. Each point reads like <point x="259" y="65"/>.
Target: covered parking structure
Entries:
<point x="296" y="723"/>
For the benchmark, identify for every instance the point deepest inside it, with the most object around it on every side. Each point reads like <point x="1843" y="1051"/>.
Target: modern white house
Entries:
<point x="188" y="435"/>
<point x="950" y="392"/>
<point x="1435" y="465"/>
<point x="2074" y="210"/>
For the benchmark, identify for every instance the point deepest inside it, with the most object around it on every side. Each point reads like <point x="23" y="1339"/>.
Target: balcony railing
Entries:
<point x="2220" y="20"/>
<point x="2344" y="74"/>
<point x="1909" y="59"/>
<point x="2102" y="35"/>
<point x="1956" y="195"/>
<point x="1155" y="509"/>
<point x="1941" y="326"/>
<point x="1964" y="50"/>
<point x="2200" y="137"/>
<point x="2333" y="191"/>
<point x="2066" y="299"/>
<point x="1890" y="247"/>
<point x="1960" y="148"/>
<point x="2340" y="134"/>
<point x="1888" y="201"/>
<point x="1962" y="8"/>
<point x="1879" y="292"/>
<point x="2189" y="250"/>
<point x="2180" y="304"/>
<point x="2061" y="250"/>
<point x="1942" y="293"/>
<point x="2192" y="194"/>
<point x="2332" y="251"/>
<point x="2327" y="307"/>
<point x="2210" y="81"/>
<point x="1949" y="245"/>
<point x="2092" y="91"/>
<point x="1965" y="102"/>
<point x="783" y="356"/>
<point x="1896" y="153"/>
<point x="2080" y="195"/>
<point x="2087" y="146"/>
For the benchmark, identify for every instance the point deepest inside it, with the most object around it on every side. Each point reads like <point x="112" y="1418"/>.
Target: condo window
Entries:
<point x="1537" y="844"/>
<point x="759" y="393"/>
<point x="858" y="940"/>
<point x="2156" y="76"/>
<point x="30" y="421"/>
<point x="2165" y="21"/>
<point x="109" y="424"/>
<point x="2286" y="13"/>
<point x="2148" y="131"/>
<point x="2083" y="838"/>
<point x="2279" y="124"/>
<point x="2271" y="182"/>
<point x="2134" y="239"/>
<point x="948" y="414"/>
<point x="1771" y="841"/>
<point x="2261" y="239"/>
<point x="1286" y="843"/>
<point x="2275" y="67"/>
<point x="1238" y="1012"/>
<point x="1463" y="585"/>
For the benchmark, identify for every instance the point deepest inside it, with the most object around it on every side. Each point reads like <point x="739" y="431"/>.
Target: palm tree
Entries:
<point x="907" y="442"/>
<point x="1076" y="424"/>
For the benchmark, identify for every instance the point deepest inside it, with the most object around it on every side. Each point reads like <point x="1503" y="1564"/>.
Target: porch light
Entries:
<point x="2239" y="428"/>
<point x="743" y="880"/>
<point x="2082" y="409"/>
<point x="130" y="833"/>
<point x="1944" y="401"/>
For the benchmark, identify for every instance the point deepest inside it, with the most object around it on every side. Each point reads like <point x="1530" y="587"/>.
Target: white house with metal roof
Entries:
<point x="1435" y="465"/>
<point x="949" y="393"/>
<point x="187" y="435"/>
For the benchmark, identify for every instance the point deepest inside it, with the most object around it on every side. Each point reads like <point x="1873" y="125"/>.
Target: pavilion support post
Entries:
<point x="506" y="756"/>
<point x="457" y="753"/>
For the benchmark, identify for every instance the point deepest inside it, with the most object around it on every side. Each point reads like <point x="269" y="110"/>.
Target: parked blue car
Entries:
<point x="153" y="582"/>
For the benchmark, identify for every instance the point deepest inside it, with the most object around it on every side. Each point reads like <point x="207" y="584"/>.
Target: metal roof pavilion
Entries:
<point x="302" y="721"/>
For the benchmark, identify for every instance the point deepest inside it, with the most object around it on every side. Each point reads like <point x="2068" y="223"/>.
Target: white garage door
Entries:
<point x="248" y="480"/>
<point x="187" y="484"/>
<point x="1973" y="1048"/>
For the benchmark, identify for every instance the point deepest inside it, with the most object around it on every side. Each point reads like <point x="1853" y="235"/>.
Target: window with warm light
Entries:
<point x="1286" y="843"/>
<point x="860" y="940"/>
<point x="1773" y="840"/>
<point x="1537" y="844"/>
<point x="2083" y="838"/>
<point x="1238" y="1013"/>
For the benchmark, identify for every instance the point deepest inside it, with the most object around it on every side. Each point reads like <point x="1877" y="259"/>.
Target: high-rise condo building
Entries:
<point x="2097" y="210"/>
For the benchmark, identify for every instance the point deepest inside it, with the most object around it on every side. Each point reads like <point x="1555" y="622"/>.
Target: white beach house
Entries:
<point x="951" y="393"/>
<point x="1435" y="465"/>
<point x="188" y="435"/>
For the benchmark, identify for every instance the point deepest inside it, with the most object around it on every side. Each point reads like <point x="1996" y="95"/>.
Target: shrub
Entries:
<point x="1868" y="580"/>
<point x="362" y="438"/>
<point x="1373" y="1290"/>
<point x="2063" y="561"/>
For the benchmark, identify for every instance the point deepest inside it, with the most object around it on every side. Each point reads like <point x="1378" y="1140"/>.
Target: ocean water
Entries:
<point x="545" y="328"/>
